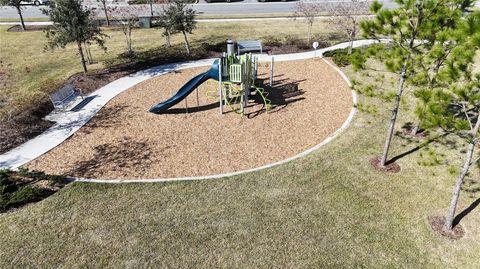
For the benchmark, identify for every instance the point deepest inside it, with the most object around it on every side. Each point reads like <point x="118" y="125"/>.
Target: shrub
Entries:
<point x="16" y="188"/>
<point x="27" y="194"/>
<point x="339" y="56"/>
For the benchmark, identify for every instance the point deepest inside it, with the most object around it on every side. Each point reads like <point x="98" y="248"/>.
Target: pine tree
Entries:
<point x="455" y="108"/>
<point x="72" y="24"/>
<point x="409" y="27"/>
<point x="438" y="44"/>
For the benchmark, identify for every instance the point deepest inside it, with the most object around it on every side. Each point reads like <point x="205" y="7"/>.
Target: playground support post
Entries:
<point x="242" y="99"/>
<point x="256" y="69"/>
<point x="246" y="85"/>
<point x="271" y="72"/>
<point x="220" y="90"/>
<point x="186" y="106"/>
<point x="198" y="102"/>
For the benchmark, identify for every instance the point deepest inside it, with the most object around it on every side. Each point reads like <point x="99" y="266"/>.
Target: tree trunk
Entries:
<point x="167" y="39"/>
<point x="82" y="57"/>
<point x="352" y="32"/>
<point x="458" y="185"/>
<point x="393" y="118"/>
<point x="350" y="46"/>
<point x="129" y="39"/>
<point x="187" y="45"/>
<point x="84" y="51"/>
<point x="19" y="10"/>
<point x="90" y="54"/>
<point x="151" y="9"/>
<point x="106" y="12"/>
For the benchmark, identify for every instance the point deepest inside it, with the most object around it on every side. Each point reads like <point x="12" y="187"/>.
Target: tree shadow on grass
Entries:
<point x="472" y="185"/>
<point x="465" y="212"/>
<point x="124" y="153"/>
<point x="417" y="148"/>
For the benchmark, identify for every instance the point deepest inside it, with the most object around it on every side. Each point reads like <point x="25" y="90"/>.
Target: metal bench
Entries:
<point x="249" y="45"/>
<point x="64" y="96"/>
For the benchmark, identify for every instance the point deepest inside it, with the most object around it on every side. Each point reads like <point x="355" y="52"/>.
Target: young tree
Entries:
<point x="72" y="24"/>
<point x="17" y="5"/>
<point x="457" y="108"/>
<point x="467" y="99"/>
<point x="105" y="9"/>
<point x="402" y="25"/>
<point x="180" y="19"/>
<point x="345" y="17"/>
<point x="408" y="27"/>
<point x="128" y="19"/>
<point x="165" y="24"/>
<point x="309" y="12"/>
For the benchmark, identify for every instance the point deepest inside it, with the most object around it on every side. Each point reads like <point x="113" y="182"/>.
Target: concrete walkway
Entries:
<point x="69" y="123"/>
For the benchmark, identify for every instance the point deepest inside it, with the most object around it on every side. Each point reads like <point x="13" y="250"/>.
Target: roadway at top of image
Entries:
<point x="250" y="7"/>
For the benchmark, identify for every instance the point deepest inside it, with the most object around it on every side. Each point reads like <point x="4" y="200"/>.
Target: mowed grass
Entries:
<point x="330" y="209"/>
<point x="28" y="72"/>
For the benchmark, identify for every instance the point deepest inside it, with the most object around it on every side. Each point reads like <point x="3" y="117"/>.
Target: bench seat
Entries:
<point x="63" y="96"/>
<point x="249" y="45"/>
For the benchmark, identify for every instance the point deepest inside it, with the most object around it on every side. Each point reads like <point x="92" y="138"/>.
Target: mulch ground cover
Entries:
<point x="310" y="101"/>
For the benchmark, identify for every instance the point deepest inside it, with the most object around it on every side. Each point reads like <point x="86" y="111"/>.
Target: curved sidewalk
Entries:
<point x="72" y="122"/>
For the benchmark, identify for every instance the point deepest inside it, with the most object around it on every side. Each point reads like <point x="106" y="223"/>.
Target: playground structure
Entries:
<point x="237" y="81"/>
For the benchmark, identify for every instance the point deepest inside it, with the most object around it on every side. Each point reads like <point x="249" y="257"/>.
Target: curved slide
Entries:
<point x="186" y="89"/>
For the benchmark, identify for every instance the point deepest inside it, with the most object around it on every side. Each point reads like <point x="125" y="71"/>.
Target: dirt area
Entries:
<point x="390" y="167"/>
<point x="29" y="123"/>
<point x="124" y="141"/>
<point x="437" y="222"/>
<point x="28" y="28"/>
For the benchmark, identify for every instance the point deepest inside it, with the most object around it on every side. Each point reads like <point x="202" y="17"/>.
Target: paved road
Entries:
<point x="241" y="7"/>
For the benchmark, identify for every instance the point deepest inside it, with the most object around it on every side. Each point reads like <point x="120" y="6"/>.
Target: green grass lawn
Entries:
<point x="28" y="72"/>
<point x="330" y="209"/>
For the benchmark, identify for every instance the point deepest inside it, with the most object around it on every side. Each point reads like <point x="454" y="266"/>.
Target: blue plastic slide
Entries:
<point x="186" y="89"/>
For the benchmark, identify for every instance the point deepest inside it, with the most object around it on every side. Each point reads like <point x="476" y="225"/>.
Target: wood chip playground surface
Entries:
<point x="310" y="101"/>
